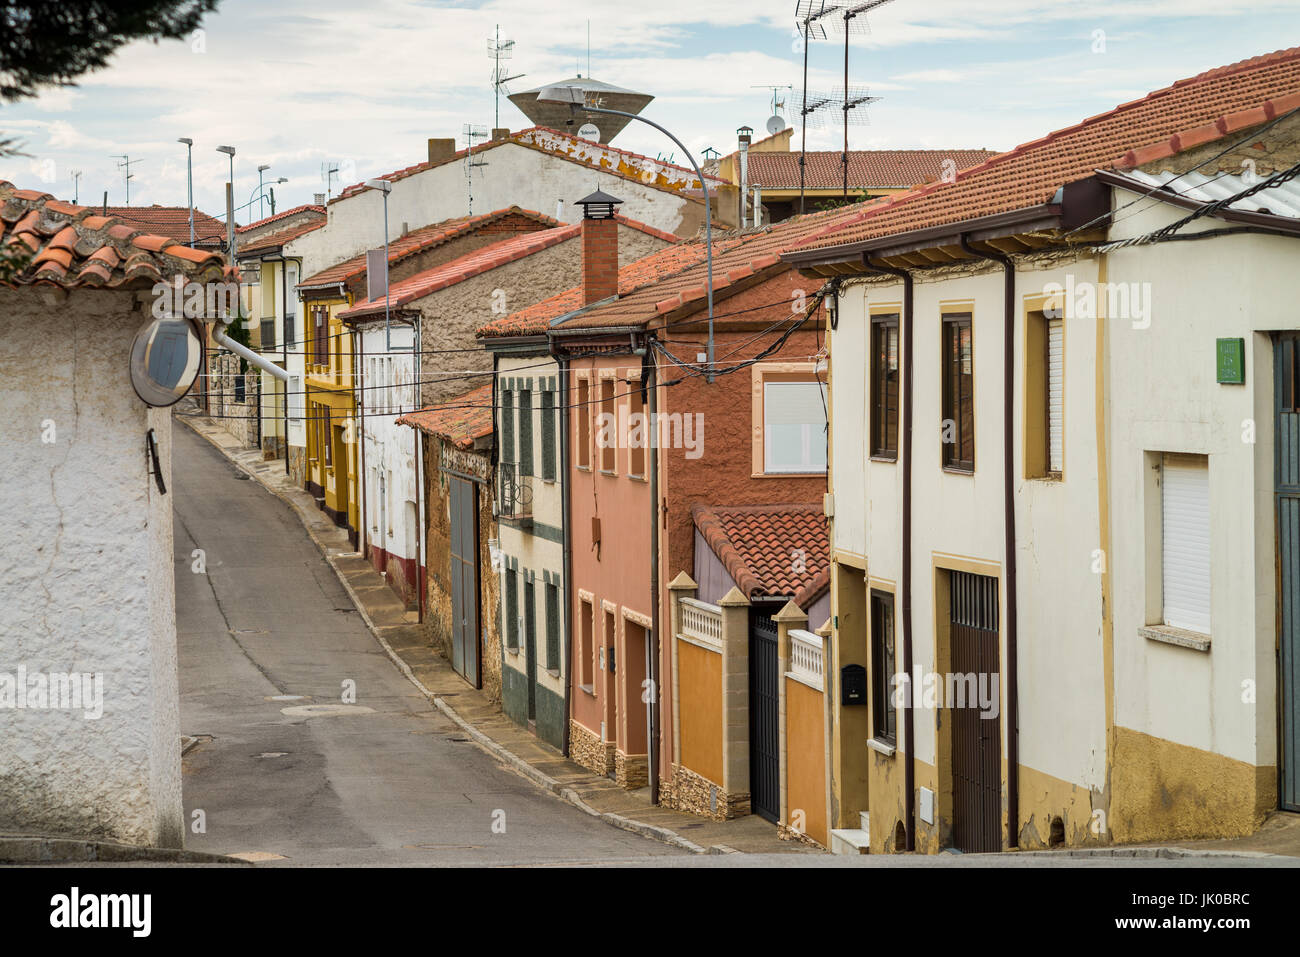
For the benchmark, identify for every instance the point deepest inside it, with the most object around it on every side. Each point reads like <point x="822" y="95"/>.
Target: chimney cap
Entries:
<point x="599" y="205"/>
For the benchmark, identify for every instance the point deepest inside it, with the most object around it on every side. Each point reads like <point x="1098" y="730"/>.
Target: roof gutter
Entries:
<point x="1009" y="527"/>
<point x="1074" y="204"/>
<point x="909" y="725"/>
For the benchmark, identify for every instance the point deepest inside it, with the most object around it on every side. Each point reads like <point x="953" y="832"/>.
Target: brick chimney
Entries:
<point x="599" y="247"/>
<point x="441" y="150"/>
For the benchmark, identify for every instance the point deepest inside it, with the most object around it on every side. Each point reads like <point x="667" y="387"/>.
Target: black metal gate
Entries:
<point x="976" y="736"/>
<point x="1286" y="390"/>
<point x="463" y="496"/>
<point x="764" y="732"/>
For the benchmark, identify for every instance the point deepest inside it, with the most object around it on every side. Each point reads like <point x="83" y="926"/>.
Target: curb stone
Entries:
<point x="34" y="849"/>
<point x="540" y="778"/>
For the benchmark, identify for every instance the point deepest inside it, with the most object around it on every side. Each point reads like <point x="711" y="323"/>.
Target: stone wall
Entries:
<point x="239" y="418"/>
<point x="687" y="791"/>
<point x="586" y="749"/>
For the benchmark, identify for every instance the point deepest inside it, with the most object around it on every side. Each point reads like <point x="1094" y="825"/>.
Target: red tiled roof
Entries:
<point x="768" y="550"/>
<point x="535" y="319"/>
<point x="460" y="421"/>
<point x="480" y="261"/>
<point x="867" y="168"/>
<point x="419" y="240"/>
<point x="276" y="217"/>
<point x="170" y="221"/>
<point x="465" y="267"/>
<point x="279" y="237"/>
<point x="75" y="246"/>
<point x="635" y="158"/>
<point x="1192" y="112"/>
<point x="736" y="258"/>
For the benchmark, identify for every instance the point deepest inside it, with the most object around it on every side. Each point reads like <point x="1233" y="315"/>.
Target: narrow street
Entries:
<point x="390" y="780"/>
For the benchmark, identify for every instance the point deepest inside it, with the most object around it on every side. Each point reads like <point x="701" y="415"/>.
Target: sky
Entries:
<point x="297" y="85"/>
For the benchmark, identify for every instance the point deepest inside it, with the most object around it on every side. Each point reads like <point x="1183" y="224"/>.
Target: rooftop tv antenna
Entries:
<point x="854" y="97"/>
<point x="127" y="175"/>
<point x="499" y="51"/>
<point x="472" y="132"/>
<point x="76" y="186"/>
<point x="776" y="122"/>
<point x="811" y="17"/>
<point x="328" y="172"/>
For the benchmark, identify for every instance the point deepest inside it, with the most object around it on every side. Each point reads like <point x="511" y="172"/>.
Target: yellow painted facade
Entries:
<point x="333" y="447"/>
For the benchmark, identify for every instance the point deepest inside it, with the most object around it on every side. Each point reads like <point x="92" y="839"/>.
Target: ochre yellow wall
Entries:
<point x="699" y="680"/>
<point x="805" y="758"/>
<point x="1166" y="791"/>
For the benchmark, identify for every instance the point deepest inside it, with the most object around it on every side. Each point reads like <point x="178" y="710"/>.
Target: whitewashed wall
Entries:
<point x="86" y="575"/>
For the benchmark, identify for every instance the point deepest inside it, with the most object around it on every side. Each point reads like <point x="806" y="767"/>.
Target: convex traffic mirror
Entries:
<point x="165" y="359"/>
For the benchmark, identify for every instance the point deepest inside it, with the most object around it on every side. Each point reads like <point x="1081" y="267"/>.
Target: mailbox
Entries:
<point x="853" y="685"/>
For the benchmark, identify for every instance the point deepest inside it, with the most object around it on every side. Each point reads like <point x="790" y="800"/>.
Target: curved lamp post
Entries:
<point x="575" y="97"/>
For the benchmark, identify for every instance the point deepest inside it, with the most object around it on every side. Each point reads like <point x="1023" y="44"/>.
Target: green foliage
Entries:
<point x="52" y="42"/>
<point x="855" y="197"/>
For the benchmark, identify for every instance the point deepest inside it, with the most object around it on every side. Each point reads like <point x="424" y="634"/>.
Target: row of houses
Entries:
<point x="960" y="517"/>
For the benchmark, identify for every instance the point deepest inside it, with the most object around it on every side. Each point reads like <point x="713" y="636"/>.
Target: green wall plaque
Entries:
<point x="1230" y="361"/>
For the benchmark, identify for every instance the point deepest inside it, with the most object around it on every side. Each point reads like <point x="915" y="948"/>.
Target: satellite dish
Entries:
<point x="775" y="123"/>
<point x="589" y="131"/>
<point x="165" y="360"/>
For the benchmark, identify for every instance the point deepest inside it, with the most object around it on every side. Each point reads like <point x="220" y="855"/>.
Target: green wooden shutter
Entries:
<point x="525" y="432"/>
<point x="552" y="627"/>
<point x="548" y="436"/>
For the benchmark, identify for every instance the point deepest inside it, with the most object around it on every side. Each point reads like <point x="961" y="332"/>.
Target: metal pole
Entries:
<point x="844" y="157"/>
<point x="261" y="209"/>
<point x="189" y="181"/>
<point x="388" y="330"/>
<point x="803" y="118"/>
<point x="708" y="213"/>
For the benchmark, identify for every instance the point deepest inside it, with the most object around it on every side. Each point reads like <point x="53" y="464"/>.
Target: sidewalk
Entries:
<point x="404" y="639"/>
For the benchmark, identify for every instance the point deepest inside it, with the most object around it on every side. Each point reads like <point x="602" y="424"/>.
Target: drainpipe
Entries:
<point x="648" y="384"/>
<point x="909" y="725"/>
<point x="359" y="383"/>
<point x="248" y="355"/>
<point x="567" y="546"/>
<point x="1009" y="524"/>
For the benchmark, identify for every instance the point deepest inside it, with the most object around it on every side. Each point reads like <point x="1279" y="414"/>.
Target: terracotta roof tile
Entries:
<point x="423" y="239"/>
<point x="1191" y="112"/>
<point x="170" y="221"/>
<point x="461" y="420"/>
<point x="458" y="270"/>
<point x="768" y="550"/>
<point x="285" y="214"/>
<point x="882" y="169"/>
<point x="536" y="319"/>
<point x="277" y="238"/>
<point x="527" y="138"/>
<point x="75" y="246"/>
<point x="736" y="258"/>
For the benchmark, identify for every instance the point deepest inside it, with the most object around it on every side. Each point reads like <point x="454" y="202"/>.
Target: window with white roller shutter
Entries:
<point x="1185" y="542"/>
<point x="1055" y="396"/>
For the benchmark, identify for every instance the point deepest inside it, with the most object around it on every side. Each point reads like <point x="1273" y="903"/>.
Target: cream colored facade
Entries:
<point x="1123" y="735"/>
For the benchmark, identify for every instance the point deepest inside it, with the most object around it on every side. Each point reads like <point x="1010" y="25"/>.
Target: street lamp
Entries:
<point x="260" y="170"/>
<point x="230" y="203"/>
<point x="189" y="180"/>
<point x="256" y="195"/>
<point x="575" y="97"/>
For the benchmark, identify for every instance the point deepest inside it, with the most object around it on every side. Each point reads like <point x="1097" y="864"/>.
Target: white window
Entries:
<point x="794" y="427"/>
<point x="296" y="399"/>
<point x="1185" y="542"/>
<point x="1055" y="405"/>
